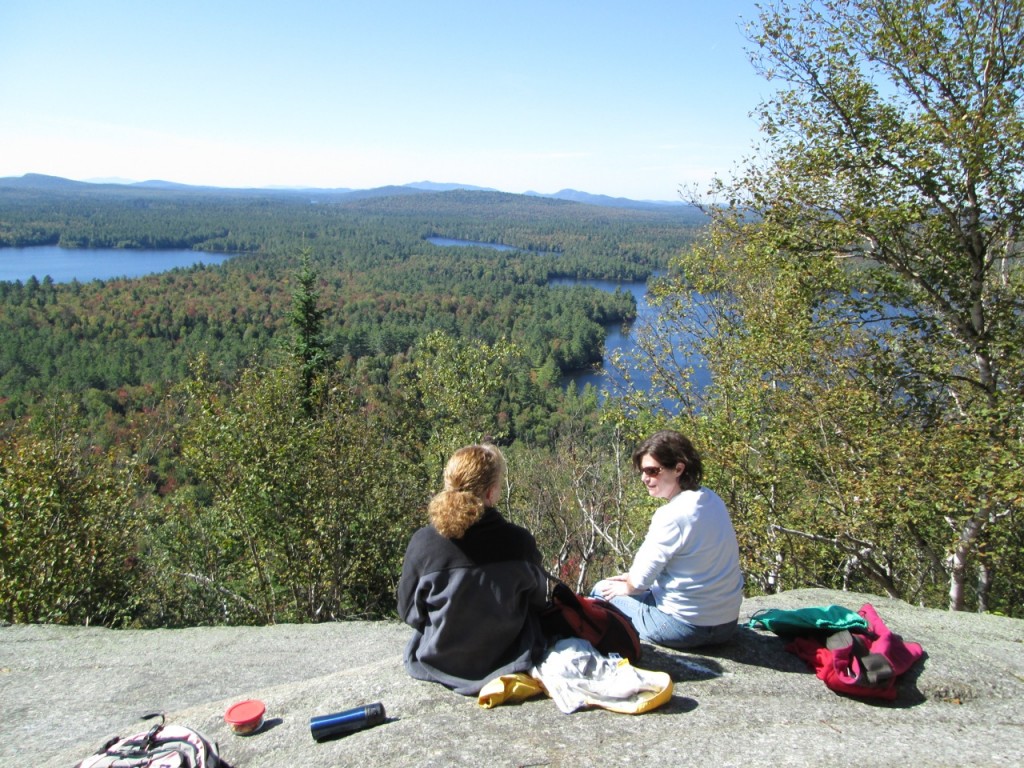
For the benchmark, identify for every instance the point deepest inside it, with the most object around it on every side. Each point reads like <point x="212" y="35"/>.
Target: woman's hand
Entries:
<point x="615" y="586"/>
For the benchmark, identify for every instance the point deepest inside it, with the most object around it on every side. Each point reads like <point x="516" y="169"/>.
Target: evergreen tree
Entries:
<point x="306" y="317"/>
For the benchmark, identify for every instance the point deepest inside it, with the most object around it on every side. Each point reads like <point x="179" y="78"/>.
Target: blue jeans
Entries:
<point x="659" y="628"/>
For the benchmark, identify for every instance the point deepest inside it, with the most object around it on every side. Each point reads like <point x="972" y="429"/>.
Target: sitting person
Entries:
<point x="472" y="584"/>
<point x="684" y="588"/>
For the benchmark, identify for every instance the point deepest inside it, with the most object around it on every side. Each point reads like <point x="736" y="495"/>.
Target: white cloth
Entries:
<point x="690" y="560"/>
<point x="575" y="675"/>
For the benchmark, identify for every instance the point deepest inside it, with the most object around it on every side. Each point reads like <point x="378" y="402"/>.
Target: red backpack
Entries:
<point x="593" y="619"/>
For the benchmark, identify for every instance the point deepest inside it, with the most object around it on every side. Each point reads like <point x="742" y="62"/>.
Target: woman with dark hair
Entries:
<point x="472" y="584"/>
<point x="684" y="588"/>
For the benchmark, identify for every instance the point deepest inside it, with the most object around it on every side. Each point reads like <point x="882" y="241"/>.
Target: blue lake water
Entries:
<point x="84" y="264"/>
<point x="618" y="337"/>
<point x="446" y="242"/>
<point x="621" y="338"/>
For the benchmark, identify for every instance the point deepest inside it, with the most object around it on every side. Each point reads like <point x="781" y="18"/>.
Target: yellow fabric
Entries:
<point x="646" y="700"/>
<point x="508" y="689"/>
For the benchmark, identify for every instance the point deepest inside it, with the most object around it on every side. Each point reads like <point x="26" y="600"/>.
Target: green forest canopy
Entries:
<point x="263" y="435"/>
<point x="179" y="410"/>
<point x="381" y="284"/>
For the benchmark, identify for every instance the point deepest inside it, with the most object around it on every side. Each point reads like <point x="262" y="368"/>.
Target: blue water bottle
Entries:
<point x="324" y="727"/>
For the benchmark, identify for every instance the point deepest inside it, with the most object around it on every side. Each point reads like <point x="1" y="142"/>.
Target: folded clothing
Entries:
<point x="575" y="676"/>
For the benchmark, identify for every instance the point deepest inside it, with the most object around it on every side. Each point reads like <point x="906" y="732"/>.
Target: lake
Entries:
<point x="447" y="242"/>
<point x="618" y="337"/>
<point x="84" y="264"/>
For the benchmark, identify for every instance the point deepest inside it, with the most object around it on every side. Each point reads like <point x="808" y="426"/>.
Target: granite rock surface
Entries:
<point x="63" y="690"/>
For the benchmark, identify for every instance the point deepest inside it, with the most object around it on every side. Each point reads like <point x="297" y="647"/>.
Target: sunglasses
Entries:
<point x="651" y="471"/>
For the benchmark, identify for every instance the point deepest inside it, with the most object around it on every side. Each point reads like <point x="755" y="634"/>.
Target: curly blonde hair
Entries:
<point x="470" y="473"/>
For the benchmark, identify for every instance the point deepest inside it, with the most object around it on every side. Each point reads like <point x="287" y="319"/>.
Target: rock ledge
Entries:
<point x="64" y="689"/>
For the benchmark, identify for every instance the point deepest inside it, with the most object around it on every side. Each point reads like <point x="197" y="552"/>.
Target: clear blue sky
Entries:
<point x="615" y="98"/>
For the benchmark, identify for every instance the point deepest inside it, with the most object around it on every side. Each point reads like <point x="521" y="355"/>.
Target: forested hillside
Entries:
<point x="256" y="442"/>
<point x="382" y="285"/>
<point x="339" y="336"/>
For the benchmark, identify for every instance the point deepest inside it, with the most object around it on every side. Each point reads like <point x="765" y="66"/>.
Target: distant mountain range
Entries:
<point x="566" y="194"/>
<point x="40" y="181"/>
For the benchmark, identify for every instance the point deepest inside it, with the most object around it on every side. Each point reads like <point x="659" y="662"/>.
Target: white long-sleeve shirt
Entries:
<point x="690" y="560"/>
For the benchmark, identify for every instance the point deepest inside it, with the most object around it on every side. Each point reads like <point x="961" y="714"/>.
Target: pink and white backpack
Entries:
<point x="162" y="746"/>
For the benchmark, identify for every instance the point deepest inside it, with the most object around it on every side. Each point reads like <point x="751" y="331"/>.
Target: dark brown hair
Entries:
<point x="669" y="448"/>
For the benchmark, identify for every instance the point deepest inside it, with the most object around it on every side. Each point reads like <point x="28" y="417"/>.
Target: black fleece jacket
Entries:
<point x="473" y="603"/>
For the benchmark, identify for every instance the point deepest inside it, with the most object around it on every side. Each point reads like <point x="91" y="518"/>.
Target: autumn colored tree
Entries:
<point x="70" y="526"/>
<point x="860" y="303"/>
<point x="304" y="518"/>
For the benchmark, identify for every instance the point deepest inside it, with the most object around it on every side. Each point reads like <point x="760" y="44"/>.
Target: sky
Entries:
<point x="627" y="99"/>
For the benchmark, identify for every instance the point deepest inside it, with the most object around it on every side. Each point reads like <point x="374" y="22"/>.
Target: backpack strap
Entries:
<point x="877" y="668"/>
<point x="564" y="594"/>
<point x="147" y="740"/>
<point x="866" y="668"/>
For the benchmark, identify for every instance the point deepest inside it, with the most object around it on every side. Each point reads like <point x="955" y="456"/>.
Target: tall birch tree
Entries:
<point x="864" y="300"/>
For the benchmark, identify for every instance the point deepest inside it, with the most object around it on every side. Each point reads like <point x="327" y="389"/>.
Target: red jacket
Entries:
<point x="866" y="664"/>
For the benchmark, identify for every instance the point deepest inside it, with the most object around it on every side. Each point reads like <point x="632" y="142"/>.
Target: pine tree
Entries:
<point x="308" y="346"/>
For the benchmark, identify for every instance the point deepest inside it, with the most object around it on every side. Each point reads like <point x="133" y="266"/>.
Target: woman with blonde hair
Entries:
<point x="472" y="583"/>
